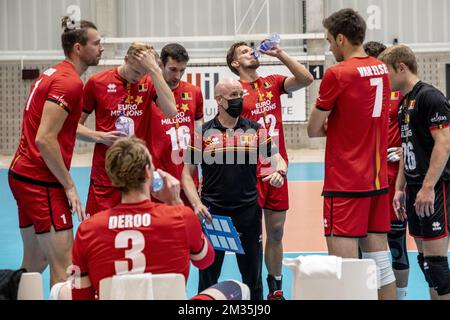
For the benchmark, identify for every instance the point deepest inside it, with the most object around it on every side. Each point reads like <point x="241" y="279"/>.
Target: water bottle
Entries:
<point x="125" y="125"/>
<point x="157" y="183"/>
<point x="267" y="44"/>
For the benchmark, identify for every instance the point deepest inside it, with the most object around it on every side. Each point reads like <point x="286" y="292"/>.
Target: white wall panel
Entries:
<point x="36" y="24"/>
<point x="410" y="21"/>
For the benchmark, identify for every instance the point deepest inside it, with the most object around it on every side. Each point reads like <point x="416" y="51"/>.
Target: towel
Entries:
<point x="315" y="267"/>
<point x="61" y="291"/>
<point x="132" y="287"/>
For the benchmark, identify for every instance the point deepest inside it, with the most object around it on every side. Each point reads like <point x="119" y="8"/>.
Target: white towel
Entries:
<point x="132" y="287"/>
<point x="315" y="266"/>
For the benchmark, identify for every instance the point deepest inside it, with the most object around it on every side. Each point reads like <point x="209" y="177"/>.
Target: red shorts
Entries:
<point x="271" y="198"/>
<point x="40" y="204"/>
<point x="356" y="217"/>
<point x="102" y="198"/>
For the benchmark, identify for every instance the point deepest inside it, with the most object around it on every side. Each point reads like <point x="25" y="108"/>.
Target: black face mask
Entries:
<point x="235" y="107"/>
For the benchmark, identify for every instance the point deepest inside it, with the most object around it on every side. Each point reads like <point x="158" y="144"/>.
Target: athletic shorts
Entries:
<point x="102" y="198"/>
<point x="40" y="204"/>
<point x="356" y="217"/>
<point x="433" y="227"/>
<point x="271" y="198"/>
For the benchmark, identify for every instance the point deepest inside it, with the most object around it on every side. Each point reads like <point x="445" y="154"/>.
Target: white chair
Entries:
<point x="168" y="286"/>
<point x="30" y="287"/>
<point x="358" y="281"/>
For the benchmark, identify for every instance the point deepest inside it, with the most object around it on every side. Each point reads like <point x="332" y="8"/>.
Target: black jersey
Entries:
<point x="228" y="159"/>
<point x="421" y="111"/>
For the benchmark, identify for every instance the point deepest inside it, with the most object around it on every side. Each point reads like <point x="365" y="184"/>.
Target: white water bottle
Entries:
<point x="125" y="125"/>
<point x="267" y="44"/>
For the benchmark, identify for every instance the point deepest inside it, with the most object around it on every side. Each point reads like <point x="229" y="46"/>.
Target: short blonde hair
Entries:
<point x="125" y="164"/>
<point x="141" y="46"/>
<point x="397" y="54"/>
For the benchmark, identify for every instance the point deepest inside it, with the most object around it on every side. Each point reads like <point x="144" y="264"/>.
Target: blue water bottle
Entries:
<point x="157" y="183"/>
<point x="267" y="44"/>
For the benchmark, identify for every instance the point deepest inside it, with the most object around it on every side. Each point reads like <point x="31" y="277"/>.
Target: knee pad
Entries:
<point x="233" y="290"/>
<point x="397" y="245"/>
<point x="421" y="261"/>
<point x="385" y="275"/>
<point x="437" y="270"/>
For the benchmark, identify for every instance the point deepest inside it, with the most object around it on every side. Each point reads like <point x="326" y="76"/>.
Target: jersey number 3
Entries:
<point x="133" y="254"/>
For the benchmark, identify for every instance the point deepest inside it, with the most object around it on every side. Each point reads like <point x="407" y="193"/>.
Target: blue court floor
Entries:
<point x="11" y="244"/>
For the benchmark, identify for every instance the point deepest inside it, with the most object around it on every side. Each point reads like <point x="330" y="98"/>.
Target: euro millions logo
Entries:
<point x="206" y="81"/>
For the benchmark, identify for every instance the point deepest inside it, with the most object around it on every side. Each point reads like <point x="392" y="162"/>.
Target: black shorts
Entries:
<point x="436" y="226"/>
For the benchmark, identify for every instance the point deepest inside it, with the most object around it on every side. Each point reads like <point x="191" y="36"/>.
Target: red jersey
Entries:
<point x="262" y="104"/>
<point x="110" y="95"/>
<point x="168" y="138"/>
<point x="394" y="140"/>
<point x="61" y="85"/>
<point x="358" y="93"/>
<point x="143" y="237"/>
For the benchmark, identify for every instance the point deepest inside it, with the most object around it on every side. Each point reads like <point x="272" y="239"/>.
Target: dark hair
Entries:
<point x="231" y="55"/>
<point x="347" y="22"/>
<point x="374" y="48"/>
<point x="174" y="50"/>
<point x="74" y="32"/>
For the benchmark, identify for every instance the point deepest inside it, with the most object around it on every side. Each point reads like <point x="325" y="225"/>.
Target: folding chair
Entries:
<point x="30" y="287"/>
<point x="168" y="286"/>
<point x="358" y="281"/>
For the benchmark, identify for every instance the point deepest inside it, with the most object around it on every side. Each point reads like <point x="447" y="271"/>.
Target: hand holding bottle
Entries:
<point x="268" y="46"/>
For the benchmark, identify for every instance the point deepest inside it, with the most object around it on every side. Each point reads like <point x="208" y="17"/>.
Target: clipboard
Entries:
<point x="222" y="234"/>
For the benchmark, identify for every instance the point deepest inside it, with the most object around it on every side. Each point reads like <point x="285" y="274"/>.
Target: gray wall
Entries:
<point x="410" y="21"/>
<point x="35" y="24"/>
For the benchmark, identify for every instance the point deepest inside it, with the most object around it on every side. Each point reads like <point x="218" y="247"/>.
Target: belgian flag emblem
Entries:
<point x="267" y="85"/>
<point x="142" y="87"/>
<point x="186" y="96"/>
<point x="395" y="95"/>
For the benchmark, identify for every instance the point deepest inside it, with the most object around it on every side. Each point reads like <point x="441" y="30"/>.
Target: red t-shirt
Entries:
<point x="143" y="237"/>
<point x="358" y="93"/>
<point x="262" y="104"/>
<point x="109" y="95"/>
<point x="61" y="85"/>
<point x="168" y="138"/>
<point x="394" y="134"/>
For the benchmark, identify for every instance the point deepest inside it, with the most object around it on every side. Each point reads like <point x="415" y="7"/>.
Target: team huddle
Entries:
<point x="386" y="164"/>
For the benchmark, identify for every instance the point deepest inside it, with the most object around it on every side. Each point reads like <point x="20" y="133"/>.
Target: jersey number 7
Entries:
<point x="377" y="82"/>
